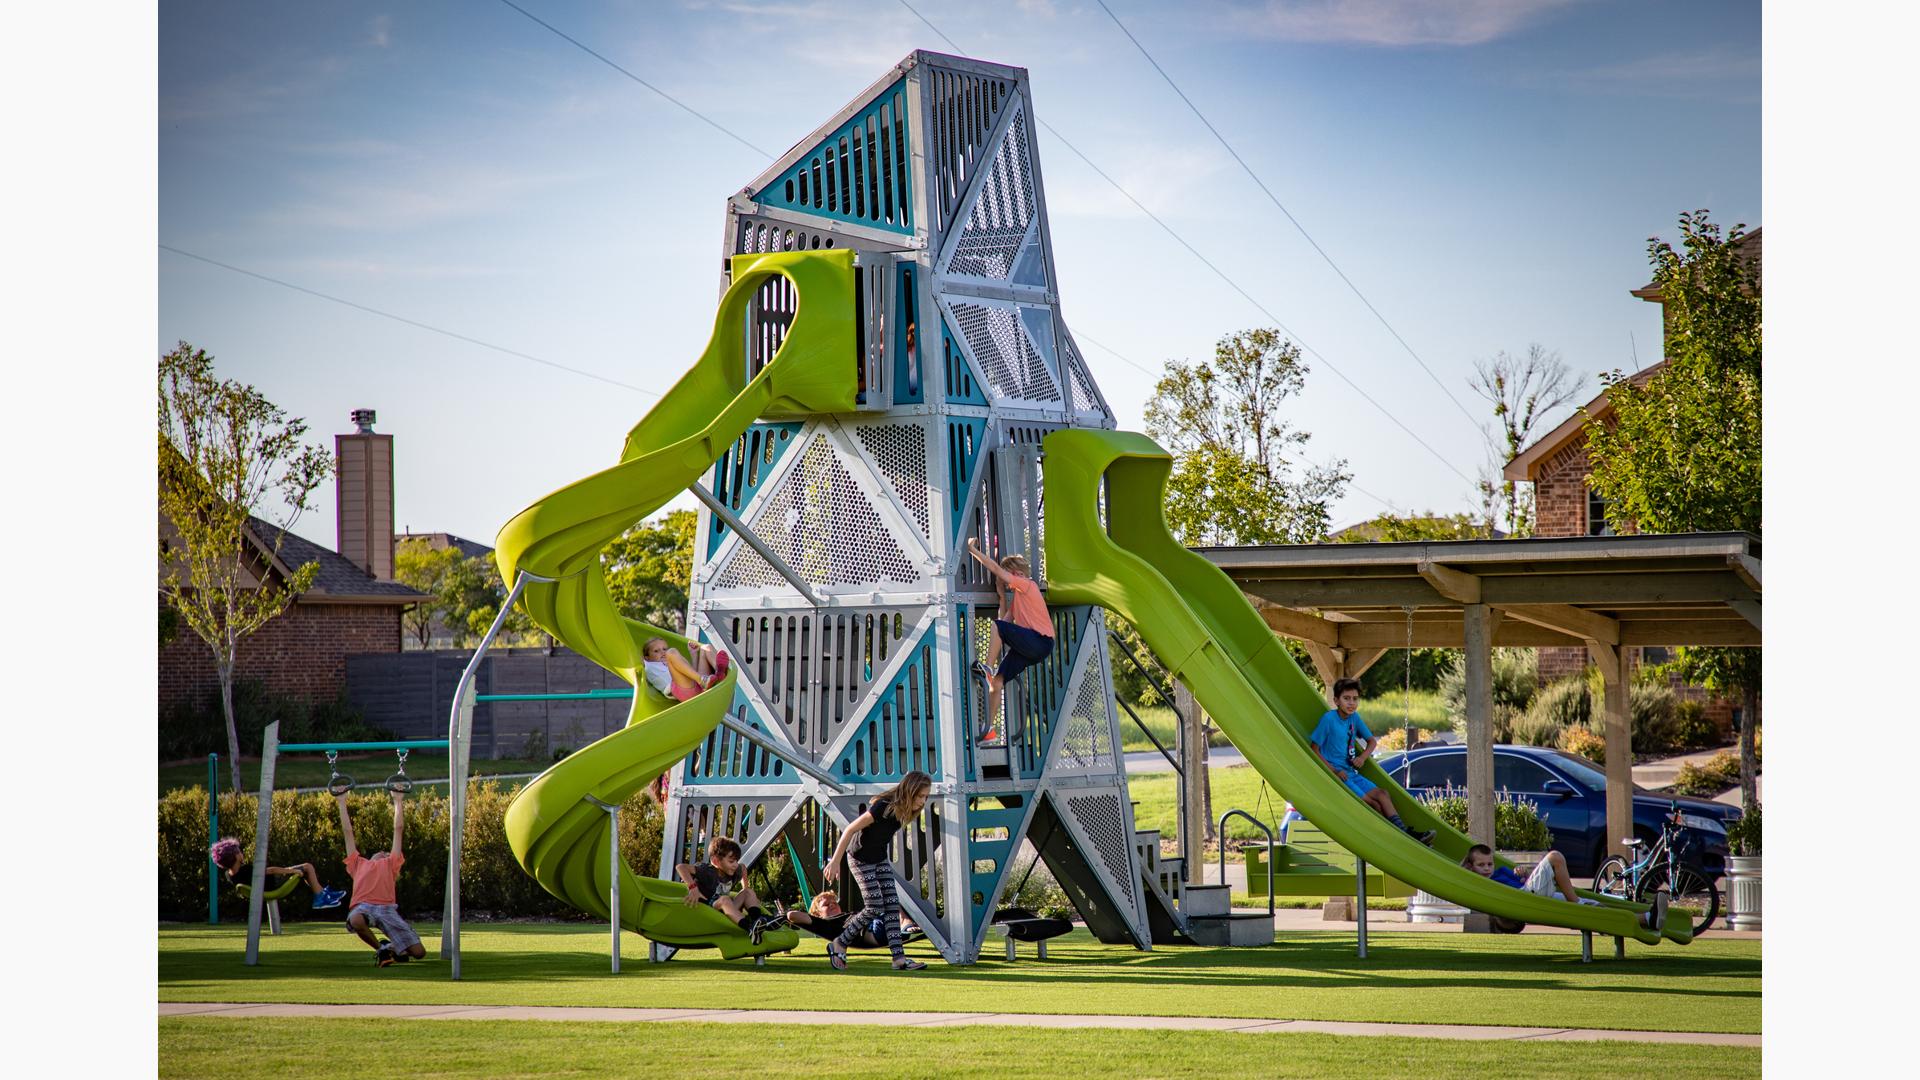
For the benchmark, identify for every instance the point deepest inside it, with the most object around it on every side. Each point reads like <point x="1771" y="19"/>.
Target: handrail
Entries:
<point x="1144" y="730"/>
<point x="1223" y="851"/>
<point x="1127" y="651"/>
<point x="602" y="694"/>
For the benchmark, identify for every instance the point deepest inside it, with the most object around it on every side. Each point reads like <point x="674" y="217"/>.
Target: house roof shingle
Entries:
<point x="338" y="578"/>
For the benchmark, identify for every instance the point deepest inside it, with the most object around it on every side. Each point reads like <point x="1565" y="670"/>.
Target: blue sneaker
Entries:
<point x="329" y="898"/>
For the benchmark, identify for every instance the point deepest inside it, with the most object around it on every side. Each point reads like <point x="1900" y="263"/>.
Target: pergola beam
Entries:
<point x="1568" y="619"/>
<point x="1299" y="624"/>
<point x="1747" y="569"/>
<point x="1748" y="609"/>
<point x="1455" y="585"/>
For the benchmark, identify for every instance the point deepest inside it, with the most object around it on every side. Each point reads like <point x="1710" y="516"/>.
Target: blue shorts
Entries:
<point x="1358" y="784"/>
<point x="1025" y="648"/>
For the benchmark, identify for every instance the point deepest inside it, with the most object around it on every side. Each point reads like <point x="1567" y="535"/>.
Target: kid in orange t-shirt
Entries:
<point x="1026" y="631"/>
<point x="374" y="901"/>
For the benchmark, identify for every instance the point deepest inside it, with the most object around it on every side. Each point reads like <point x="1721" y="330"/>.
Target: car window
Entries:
<point x="1439" y="770"/>
<point x="1511" y="772"/>
<point x="1583" y="771"/>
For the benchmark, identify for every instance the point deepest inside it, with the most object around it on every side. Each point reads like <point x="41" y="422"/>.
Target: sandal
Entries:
<point x="837" y="956"/>
<point x="909" y="965"/>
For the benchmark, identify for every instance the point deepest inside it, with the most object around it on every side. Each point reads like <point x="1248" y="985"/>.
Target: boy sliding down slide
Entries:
<point x="710" y="883"/>
<point x="1550" y="879"/>
<point x="1333" y="740"/>
<point x="373" y="891"/>
<point x="226" y="855"/>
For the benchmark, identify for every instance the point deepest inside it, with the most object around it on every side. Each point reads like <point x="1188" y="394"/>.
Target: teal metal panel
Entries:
<point x="981" y="883"/>
<point x="900" y="732"/>
<point x="738" y="474"/>
<point x="861" y="172"/>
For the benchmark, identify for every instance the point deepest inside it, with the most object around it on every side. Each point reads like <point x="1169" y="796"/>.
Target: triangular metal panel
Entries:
<point x="740" y="472"/>
<point x="964" y="384"/>
<point x="1083" y="742"/>
<point x="898" y="451"/>
<point x="860" y="172"/>
<point x="1083" y="394"/>
<point x="1099" y="821"/>
<point x="964" y="108"/>
<point x="966" y="445"/>
<point x="899" y="729"/>
<point x="995" y="335"/>
<point x="1002" y="212"/>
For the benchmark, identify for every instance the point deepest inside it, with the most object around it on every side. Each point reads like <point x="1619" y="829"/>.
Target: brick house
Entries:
<point x="1557" y="466"/>
<point x="353" y="607"/>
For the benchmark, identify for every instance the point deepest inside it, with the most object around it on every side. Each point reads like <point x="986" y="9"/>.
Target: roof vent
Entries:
<point x="363" y="421"/>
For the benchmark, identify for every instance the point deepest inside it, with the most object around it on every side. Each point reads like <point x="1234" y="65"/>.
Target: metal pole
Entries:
<point x="269" y="750"/>
<point x="1586" y="946"/>
<point x="753" y="541"/>
<point x="213" y="837"/>
<point x="1360" y="901"/>
<point x="459" y="727"/>
<point x="613" y="876"/>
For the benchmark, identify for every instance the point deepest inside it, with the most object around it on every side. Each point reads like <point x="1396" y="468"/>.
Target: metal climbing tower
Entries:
<point x="932" y="178"/>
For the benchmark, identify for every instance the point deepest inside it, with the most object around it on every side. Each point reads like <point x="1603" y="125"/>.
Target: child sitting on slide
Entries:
<point x="226" y="855"/>
<point x="717" y="883"/>
<point x="1334" y="738"/>
<point x="1026" y="630"/>
<point x="670" y="672"/>
<point x="374" y="901"/>
<point x="1550" y="880"/>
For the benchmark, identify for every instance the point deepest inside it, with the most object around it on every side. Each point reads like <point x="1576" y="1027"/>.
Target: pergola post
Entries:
<point x="1618" y="730"/>
<point x="1479" y="665"/>
<point x="1193" y="765"/>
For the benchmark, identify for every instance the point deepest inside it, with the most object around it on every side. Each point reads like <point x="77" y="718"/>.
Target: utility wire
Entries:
<point x="1275" y="200"/>
<point x="410" y="322"/>
<point x="688" y="109"/>
<point x="1221" y="274"/>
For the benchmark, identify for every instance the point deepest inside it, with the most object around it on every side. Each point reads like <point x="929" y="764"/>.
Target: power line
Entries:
<point x="1221" y="274"/>
<point x="690" y="110"/>
<point x="1275" y="200"/>
<point x="410" y="322"/>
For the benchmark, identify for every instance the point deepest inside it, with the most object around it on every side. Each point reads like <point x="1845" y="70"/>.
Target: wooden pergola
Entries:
<point x="1350" y="603"/>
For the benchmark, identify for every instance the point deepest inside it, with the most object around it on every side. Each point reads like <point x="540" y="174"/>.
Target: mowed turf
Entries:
<point x="292" y="1049"/>
<point x="1410" y="977"/>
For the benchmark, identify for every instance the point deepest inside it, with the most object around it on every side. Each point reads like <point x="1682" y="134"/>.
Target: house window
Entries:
<point x="1597" y="524"/>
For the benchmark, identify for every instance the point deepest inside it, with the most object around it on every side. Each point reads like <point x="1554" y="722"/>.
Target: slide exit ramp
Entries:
<point x="1107" y="543"/>
<point x="554" y="826"/>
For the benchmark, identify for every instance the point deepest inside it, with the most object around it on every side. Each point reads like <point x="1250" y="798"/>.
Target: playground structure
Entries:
<point x="890" y="376"/>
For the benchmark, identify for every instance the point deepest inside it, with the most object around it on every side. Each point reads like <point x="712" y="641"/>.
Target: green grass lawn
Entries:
<point x="244" y="1049"/>
<point x="1525" y="980"/>
<point x="1240" y="785"/>
<point x="310" y="770"/>
<point x="1382" y="713"/>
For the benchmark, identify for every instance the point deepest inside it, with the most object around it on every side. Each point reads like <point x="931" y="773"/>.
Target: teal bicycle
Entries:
<point x="1666" y="863"/>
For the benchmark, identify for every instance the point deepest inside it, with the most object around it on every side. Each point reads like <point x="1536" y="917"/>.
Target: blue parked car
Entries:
<point x="1571" y="793"/>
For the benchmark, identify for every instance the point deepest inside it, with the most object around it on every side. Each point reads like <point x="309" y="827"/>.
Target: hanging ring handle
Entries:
<point x="400" y="783"/>
<point x="339" y="783"/>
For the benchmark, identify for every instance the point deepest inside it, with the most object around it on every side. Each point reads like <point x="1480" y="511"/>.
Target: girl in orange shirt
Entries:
<point x="1026" y="631"/>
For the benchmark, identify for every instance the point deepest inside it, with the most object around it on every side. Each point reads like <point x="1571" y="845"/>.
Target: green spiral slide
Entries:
<point x="556" y="833"/>
<point x="1200" y="625"/>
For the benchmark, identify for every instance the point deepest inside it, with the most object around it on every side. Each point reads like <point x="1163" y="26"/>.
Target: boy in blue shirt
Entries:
<point x="1334" y="738"/>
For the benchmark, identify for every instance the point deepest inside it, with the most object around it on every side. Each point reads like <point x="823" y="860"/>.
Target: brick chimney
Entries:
<point x="363" y="487"/>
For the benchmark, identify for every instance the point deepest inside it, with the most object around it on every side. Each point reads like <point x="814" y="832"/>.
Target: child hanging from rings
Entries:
<point x="870" y="838"/>
<point x="1024" y="628"/>
<point x="375" y="904"/>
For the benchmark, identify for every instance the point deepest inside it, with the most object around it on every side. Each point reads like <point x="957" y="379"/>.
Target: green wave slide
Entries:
<point x="1197" y="621"/>
<point x="558" y="836"/>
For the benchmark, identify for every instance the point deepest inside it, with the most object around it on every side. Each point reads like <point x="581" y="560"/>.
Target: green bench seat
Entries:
<point x="1311" y="864"/>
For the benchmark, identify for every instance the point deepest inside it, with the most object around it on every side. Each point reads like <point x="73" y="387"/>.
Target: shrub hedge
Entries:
<point x="1716" y="775"/>
<point x="1517" y="825"/>
<point x="306" y="828"/>
<point x="1586" y="743"/>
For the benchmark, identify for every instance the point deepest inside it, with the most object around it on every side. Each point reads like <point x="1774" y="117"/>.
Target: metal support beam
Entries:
<point x="1617" y="725"/>
<point x="753" y="541"/>
<point x="613" y="873"/>
<point x="1479" y="665"/>
<point x="1568" y="619"/>
<point x="784" y="754"/>
<point x="269" y="751"/>
<point x="1456" y="585"/>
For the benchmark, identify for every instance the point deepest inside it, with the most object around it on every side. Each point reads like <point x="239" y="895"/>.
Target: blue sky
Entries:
<point x="1487" y="172"/>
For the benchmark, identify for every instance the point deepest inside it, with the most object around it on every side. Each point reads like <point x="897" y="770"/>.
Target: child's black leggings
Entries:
<point x="882" y="904"/>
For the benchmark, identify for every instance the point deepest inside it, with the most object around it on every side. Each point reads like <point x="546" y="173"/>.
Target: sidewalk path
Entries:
<point x="950" y="1019"/>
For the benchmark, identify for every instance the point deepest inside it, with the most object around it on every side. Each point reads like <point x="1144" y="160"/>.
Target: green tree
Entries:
<point x="649" y="568"/>
<point x="1682" y="452"/>
<point x="470" y="596"/>
<point x="1389" y="527"/>
<point x="1237" y="474"/>
<point x="418" y="564"/>
<point x="1523" y="391"/>
<point x="225" y="454"/>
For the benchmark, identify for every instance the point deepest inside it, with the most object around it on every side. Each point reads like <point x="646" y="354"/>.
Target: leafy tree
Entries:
<point x="1682" y="452"/>
<point x="418" y="564"/>
<point x="649" y="568"/>
<point x="470" y="596"/>
<point x="1235" y="478"/>
<point x="1523" y="391"/>
<point x="1396" y="528"/>
<point x="225" y="453"/>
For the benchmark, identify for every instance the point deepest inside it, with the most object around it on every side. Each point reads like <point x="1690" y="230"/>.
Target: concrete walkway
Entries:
<point x="949" y="1019"/>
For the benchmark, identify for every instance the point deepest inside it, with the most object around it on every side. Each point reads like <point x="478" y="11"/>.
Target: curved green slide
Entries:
<point x="1201" y="626"/>
<point x="556" y="833"/>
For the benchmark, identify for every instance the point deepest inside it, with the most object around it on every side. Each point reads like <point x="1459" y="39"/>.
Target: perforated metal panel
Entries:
<point x="1019" y="505"/>
<point x="915" y="855"/>
<point x="702" y="818"/>
<point x="821" y="522"/>
<point x="961" y="387"/>
<point x="900" y="450"/>
<point x="728" y="758"/>
<point x="1087" y="743"/>
<point x="1101" y="820"/>
<point x="997" y="225"/>
<point x="813" y="669"/>
<point x="1013" y="367"/>
<point x="1084" y="393"/>
<point x="964" y="108"/>
<point x="754" y="234"/>
<point x="738" y="474"/>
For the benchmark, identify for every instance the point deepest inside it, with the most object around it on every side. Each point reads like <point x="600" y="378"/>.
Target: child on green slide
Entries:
<point x="1334" y="739"/>
<point x="717" y="882"/>
<point x="1551" y="881"/>
<point x="226" y="855"/>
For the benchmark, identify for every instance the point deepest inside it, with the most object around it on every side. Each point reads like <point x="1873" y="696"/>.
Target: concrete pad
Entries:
<point x="1694" y="1038"/>
<point x="1130" y="1023"/>
<point x="603" y="1014"/>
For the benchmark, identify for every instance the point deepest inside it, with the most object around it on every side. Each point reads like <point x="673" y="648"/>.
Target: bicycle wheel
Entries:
<point x="1611" y="878"/>
<point x="1690" y="889"/>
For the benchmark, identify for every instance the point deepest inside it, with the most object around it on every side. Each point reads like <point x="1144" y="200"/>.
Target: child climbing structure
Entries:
<point x="888" y="357"/>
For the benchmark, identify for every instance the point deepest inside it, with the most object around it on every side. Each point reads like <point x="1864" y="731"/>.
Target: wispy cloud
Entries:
<point x="380" y="31"/>
<point x="397" y="201"/>
<point x="1392" y="23"/>
<point x="1717" y="73"/>
<point x="1167" y="179"/>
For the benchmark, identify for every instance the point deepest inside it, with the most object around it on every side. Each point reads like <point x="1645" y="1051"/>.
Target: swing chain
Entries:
<point x="1408" y="720"/>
